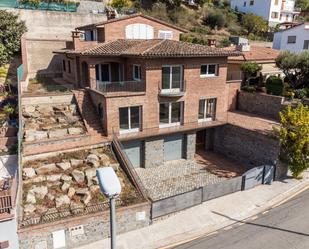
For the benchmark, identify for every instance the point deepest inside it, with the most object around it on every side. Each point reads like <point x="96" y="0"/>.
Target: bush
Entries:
<point x="274" y="85"/>
<point x="294" y="138"/>
<point x="248" y="88"/>
<point x="214" y="20"/>
<point x="121" y="3"/>
<point x="300" y="93"/>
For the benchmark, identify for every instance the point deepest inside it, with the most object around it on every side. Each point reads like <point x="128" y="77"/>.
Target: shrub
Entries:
<point x="274" y="85"/>
<point x="247" y="88"/>
<point x="300" y="93"/>
<point x="214" y="20"/>
<point x="121" y="3"/>
<point x="294" y="138"/>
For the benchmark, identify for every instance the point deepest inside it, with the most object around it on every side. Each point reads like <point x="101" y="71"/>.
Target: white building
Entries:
<point x="295" y="39"/>
<point x="273" y="11"/>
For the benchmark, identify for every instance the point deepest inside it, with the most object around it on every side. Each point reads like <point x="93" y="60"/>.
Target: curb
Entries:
<point x="275" y="202"/>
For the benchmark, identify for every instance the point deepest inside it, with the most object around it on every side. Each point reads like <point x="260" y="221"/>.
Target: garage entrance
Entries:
<point x="173" y="147"/>
<point x="133" y="150"/>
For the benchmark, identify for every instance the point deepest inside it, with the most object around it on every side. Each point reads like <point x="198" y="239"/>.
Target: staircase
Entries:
<point x="88" y="113"/>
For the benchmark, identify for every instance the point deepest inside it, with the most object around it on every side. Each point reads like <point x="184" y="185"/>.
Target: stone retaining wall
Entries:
<point x="47" y="99"/>
<point x="260" y="103"/>
<point x="245" y="146"/>
<point x="85" y="229"/>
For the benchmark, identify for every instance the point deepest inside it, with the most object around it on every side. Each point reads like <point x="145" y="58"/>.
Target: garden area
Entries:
<point x="41" y="85"/>
<point x="66" y="184"/>
<point x="294" y="86"/>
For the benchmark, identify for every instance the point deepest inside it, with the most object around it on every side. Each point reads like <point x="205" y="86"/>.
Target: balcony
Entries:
<point x="120" y="87"/>
<point x="176" y="89"/>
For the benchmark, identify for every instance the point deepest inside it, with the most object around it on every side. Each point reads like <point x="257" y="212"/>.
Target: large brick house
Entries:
<point x="161" y="96"/>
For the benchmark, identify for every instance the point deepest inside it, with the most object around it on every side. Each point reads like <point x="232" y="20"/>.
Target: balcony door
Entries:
<point x="171" y="78"/>
<point x="103" y="72"/>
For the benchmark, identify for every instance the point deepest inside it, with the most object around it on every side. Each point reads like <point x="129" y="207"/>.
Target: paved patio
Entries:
<point x="180" y="176"/>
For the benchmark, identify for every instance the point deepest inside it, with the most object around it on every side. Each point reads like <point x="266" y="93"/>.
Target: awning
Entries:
<point x="270" y="69"/>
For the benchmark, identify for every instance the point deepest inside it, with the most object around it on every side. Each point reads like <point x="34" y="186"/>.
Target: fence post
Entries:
<point x="243" y="182"/>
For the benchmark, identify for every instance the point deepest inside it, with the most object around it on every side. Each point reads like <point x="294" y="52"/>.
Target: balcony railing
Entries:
<point x="121" y="86"/>
<point x="170" y="92"/>
<point x="234" y="75"/>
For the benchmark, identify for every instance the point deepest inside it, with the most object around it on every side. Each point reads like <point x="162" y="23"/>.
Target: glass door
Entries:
<point x="171" y="78"/>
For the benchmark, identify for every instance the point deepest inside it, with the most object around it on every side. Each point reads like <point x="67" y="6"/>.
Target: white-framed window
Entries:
<point x="209" y="70"/>
<point x="207" y="109"/>
<point x="171" y="114"/>
<point x="136" y="72"/>
<point x="130" y="119"/>
<point x="291" y="39"/>
<point x="172" y="78"/>
<point x="165" y="34"/>
<point x="139" y="31"/>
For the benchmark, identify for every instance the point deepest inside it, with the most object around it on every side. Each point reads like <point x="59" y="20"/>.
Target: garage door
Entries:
<point x="134" y="151"/>
<point x="173" y="147"/>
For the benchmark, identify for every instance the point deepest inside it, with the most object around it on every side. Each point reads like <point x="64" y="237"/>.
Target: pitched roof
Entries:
<point x="256" y="54"/>
<point x="294" y="26"/>
<point x="129" y="17"/>
<point x="155" y="48"/>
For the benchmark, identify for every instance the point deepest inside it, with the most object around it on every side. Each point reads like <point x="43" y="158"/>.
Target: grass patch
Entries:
<point x="44" y="85"/>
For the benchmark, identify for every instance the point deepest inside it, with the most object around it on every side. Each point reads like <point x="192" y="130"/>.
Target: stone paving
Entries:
<point x="176" y="177"/>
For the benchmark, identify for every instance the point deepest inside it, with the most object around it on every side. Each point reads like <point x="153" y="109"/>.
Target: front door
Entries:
<point x="200" y="140"/>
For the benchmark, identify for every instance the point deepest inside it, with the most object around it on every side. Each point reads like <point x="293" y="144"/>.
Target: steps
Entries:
<point x="88" y="113"/>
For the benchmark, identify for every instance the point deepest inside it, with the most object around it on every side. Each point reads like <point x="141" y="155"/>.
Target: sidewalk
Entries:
<point x="207" y="217"/>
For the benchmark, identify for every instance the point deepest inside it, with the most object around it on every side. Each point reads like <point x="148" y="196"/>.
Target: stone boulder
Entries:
<point x="28" y="173"/>
<point x="30" y="198"/>
<point x="53" y="177"/>
<point x="47" y="168"/>
<point x="38" y="179"/>
<point x="62" y="200"/>
<point x="82" y="191"/>
<point x="64" y="165"/>
<point x="90" y="173"/>
<point x="86" y="198"/>
<point x="75" y="131"/>
<point x="65" y="186"/>
<point x="76" y="162"/>
<point x="78" y="176"/>
<point x="93" y="160"/>
<point x="66" y="178"/>
<point x="39" y="191"/>
<point x="71" y="192"/>
<point x="94" y="188"/>
<point x="32" y="135"/>
<point x="29" y="209"/>
<point x="29" y="108"/>
<point x="58" y="133"/>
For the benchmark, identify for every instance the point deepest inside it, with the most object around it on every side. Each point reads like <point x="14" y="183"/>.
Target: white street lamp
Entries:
<point x="111" y="188"/>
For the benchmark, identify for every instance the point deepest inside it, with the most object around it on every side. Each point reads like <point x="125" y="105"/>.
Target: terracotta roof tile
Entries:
<point x="257" y="54"/>
<point x="156" y="48"/>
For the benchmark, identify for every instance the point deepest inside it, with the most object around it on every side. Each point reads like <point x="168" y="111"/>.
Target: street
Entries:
<point x="283" y="227"/>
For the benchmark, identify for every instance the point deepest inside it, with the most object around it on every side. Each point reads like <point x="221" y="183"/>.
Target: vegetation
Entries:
<point x="303" y="4"/>
<point x="250" y="69"/>
<point x="295" y="67"/>
<point x="215" y="20"/>
<point x="254" y="24"/>
<point x="10" y="35"/>
<point x="121" y="3"/>
<point x="274" y="85"/>
<point x="294" y="138"/>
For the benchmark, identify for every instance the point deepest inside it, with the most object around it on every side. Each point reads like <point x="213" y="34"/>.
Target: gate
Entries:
<point x="258" y="175"/>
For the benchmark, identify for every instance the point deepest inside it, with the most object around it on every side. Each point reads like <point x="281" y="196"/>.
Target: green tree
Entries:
<point x="254" y="24"/>
<point x="303" y="4"/>
<point x="11" y="31"/>
<point x="214" y="20"/>
<point x="121" y="3"/>
<point x="294" y="138"/>
<point x="295" y="67"/>
<point x="250" y="69"/>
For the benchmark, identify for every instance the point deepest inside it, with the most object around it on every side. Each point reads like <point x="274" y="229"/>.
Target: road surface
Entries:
<point x="283" y="227"/>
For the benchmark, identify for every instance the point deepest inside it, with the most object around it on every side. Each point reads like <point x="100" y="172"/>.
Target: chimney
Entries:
<point x="212" y="42"/>
<point x="77" y="38"/>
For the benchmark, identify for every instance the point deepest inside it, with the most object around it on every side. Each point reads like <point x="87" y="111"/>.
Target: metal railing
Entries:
<point x="172" y="91"/>
<point x="127" y="166"/>
<point x="121" y="86"/>
<point x="234" y="75"/>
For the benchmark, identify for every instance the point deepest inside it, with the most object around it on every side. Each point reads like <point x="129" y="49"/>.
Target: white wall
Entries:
<point x="281" y="38"/>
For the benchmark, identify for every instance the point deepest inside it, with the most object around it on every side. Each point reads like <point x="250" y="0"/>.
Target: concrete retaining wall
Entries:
<point x="260" y="103"/>
<point x="47" y="100"/>
<point x="246" y="146"/>
<point x="94" y="228"/>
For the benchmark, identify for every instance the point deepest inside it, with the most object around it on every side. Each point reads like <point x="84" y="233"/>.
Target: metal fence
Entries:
<point x="251" y="178"/>
<point x="68" y="7"/>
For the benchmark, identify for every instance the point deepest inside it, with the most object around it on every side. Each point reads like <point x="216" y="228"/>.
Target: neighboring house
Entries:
<point x="273" y="11"/>
<point x="261" y="55"/>
<point x="294" y="39"/>
<point x="154" y="91"/>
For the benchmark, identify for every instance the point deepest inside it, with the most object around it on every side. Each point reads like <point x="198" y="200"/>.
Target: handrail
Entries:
<point x="182" y="87"/>
<point x="128" y="167"/>
<point x="120" y="86"/>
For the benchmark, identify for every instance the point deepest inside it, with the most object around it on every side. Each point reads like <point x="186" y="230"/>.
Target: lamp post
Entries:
<point x="111" y="188"/>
